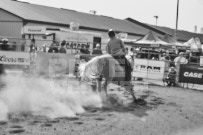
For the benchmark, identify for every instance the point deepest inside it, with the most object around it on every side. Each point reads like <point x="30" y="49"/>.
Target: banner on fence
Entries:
<point x="201" y="60"/>
<point x="14" y="58"/>
<point x="149" y="69"/>
<point x="55" y="63"/>
<point x="191" y="73"/>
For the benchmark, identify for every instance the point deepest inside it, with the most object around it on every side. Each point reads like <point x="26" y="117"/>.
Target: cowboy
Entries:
<point x="116" y="48"/>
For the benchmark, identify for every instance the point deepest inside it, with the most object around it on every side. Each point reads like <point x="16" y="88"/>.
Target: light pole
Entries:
<point x="156" y="19"/>
<point x="177" y="20"/>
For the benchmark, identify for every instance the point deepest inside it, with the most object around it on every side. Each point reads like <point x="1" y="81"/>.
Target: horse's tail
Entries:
<point x="81" y="70"/>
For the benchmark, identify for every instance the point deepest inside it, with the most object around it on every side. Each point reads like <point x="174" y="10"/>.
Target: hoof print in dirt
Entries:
<point x="140" y="101"/>
<point x="54" y="121"/>
<point x="106" y="108"/>
<point x="16" y="131"/>
<point x="99" y="119"/>
<point x="69" y="118"/>
<point x="46" y="125"/>
<point x="78" y="122"/>
<point x="157" y="101"/>
<point x="3" y="123"/>
<point x="16" y="126"/>
<point x="93" y="111"/>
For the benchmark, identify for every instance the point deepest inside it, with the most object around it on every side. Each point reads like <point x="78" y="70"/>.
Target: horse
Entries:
<point x="107" y="67"/>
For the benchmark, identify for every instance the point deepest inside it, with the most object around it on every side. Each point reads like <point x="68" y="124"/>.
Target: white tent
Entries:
<point x="151" y="38"/>
<point x="194" y="44"/>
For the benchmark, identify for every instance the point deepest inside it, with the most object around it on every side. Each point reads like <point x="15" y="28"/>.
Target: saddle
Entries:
<point x="123" y="62"/>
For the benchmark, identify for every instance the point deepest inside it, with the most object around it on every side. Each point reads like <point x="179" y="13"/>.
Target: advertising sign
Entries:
<point x="34" y="30"/>
<point x="149" y="69"/>
<point x="191" y="73"/>
<point x="55" y="63"/>
<point x="14" y="58"/>
<point x="201" y="60"/>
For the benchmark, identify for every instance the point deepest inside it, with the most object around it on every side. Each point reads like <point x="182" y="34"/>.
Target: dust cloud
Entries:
<point x="46" y="97"/>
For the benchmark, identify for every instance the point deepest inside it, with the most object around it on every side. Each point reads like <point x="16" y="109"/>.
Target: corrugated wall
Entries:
<point x="10" y="27"/>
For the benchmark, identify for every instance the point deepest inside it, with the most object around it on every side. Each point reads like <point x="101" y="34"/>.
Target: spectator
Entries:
<point x="180" y="59"/>
<point x="44" y="48"/>
<point x="62" y="48"/>
<point x="97" y="50"/>
<point x="171" y="77"/>
<point x="4" y="44"/>
<point x="53" y="48"/>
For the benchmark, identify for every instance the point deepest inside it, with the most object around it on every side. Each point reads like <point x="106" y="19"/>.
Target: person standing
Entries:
<point x="179" y="60"/>
<point x="62" y="48"/>
<point x="53" y="48"/>
<point x="4" y="45"/>
<point x="116" y="48"/>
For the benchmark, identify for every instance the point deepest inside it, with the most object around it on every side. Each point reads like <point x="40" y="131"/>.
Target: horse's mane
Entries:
<point x="93" y="68"/>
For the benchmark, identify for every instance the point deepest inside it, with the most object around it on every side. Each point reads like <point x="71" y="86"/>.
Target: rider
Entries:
<point x="116" y="48"/>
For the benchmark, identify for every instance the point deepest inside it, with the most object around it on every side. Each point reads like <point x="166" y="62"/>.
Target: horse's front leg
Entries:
<point x="106" y="83"/>
<point x="129" y="87"/>
<point x="98" y="85"/>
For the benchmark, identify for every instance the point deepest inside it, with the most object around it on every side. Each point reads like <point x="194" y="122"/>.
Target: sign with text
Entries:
<point x="201" y="60"/>
<point x="149" y="69"/>
<point x="14" y="58"/>
<point x="55" y="63"/>
<point x="191" y="73"/>
<point x="34" y="30"/>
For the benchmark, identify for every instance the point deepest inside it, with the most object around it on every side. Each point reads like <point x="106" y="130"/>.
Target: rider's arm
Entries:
<point x="122" y="45"/>
<point x="108" y="49"/>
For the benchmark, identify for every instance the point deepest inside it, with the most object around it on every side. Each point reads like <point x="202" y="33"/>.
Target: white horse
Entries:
<point x="107" y="67"/>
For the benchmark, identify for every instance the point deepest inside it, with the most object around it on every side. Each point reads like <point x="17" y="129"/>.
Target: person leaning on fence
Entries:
<point x="171" y="77"/>
<point x="180" y="59"/>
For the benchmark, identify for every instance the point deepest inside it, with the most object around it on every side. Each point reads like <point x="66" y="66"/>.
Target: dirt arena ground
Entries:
<point x="168" y="111"/>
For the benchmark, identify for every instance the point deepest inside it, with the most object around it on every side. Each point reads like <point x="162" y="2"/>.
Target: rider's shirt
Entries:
<point x="115" y="46"/>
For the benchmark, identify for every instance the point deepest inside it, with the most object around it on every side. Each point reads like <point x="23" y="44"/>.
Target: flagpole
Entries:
<point x="177" y="20"/>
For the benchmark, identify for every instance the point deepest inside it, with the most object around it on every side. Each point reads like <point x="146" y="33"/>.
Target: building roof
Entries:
<point x="181" y="34"/>
<point x="33" y="12"/>
<point x="59" y="16"/>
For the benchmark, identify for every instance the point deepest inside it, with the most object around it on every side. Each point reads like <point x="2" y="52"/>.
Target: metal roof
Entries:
<point x="33" y="12"/>
<point x="181" y="34"/>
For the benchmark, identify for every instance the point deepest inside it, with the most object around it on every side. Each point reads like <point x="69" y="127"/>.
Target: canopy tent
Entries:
<point x="194" y="44"/>
<point x="151" y="38"/>
<point x="167" y="38"/>
<point x="152" y="41"/>
<point x="175" y="44"/>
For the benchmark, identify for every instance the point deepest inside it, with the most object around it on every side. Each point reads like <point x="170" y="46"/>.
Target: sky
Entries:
<point x="190" y="11"/>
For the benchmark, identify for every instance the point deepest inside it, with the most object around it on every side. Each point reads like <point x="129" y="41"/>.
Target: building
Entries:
<point x="14" y="15"/>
